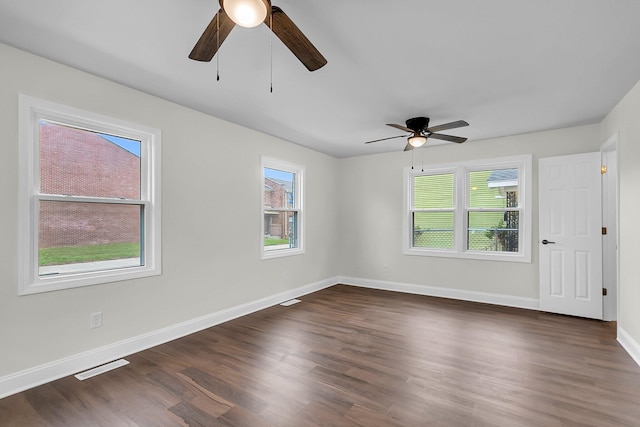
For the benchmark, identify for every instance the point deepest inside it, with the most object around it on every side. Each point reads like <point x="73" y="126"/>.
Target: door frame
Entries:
<point x="611" y="220"/>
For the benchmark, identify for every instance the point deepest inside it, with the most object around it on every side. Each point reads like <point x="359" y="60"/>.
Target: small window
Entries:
<point x="281" y="209"/>
<point x="479" y="209"/>
<point x="90" y="198"/>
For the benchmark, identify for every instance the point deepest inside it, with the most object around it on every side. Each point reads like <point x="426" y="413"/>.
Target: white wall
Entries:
<point x="211" y="221"/>
<point x="371" y="212"/>
<point x="624" y="120"/>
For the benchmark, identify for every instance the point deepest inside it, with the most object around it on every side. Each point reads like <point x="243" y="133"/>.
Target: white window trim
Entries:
<point x="460" y="170"/>
<point x="31" y="110"/>
<point x="299" y="188"/>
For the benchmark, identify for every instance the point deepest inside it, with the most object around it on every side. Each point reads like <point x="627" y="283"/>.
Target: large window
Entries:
<point x="281" y="209"/>
<point x="89" y="198"/>
<point x="479" y="209"/>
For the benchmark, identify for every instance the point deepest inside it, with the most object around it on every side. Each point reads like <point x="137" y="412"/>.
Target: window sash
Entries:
<point x="116" y="230"/>
<point x="60" y="146"/>
<point x="488" y="237"/>
<point x="149" y="140"/>
<point x="441" y="178"/>
<point x="435" y="237"/>
<point x="469" y="188"/>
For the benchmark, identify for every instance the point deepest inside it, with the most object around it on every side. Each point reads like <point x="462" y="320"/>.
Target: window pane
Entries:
<point x="83" y="163"/>
<point x="77" y="237"/>
<point x="279" y="189"/>
<point x="433" y="191"/>
<point x="433" y="230"/>
<point x="493" y="231"/>
<point x="281" y="230"/>
<point x="493" y="188"/>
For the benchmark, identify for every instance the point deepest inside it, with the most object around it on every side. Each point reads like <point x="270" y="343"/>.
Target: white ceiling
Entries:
<point x="505" y="66"/>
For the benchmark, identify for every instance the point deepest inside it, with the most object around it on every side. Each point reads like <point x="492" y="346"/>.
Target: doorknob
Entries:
<point x="546" y="242"/>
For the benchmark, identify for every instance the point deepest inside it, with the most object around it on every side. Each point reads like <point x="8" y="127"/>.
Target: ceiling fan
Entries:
<point x="251" y="13"/>
<point x="419" y="130"/>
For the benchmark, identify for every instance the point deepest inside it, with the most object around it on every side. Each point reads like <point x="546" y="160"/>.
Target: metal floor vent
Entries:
<point x="290" y="302"/>
<point x="101" y="369"/>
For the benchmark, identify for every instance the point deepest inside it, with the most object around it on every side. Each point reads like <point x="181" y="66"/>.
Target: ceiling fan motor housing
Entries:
<point x="417" y="124"/>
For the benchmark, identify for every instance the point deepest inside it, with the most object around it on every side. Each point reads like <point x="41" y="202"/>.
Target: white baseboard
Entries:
<point x="629" y="344"/>
<point x="33" y="377"/>
<point x="488" y="298"/>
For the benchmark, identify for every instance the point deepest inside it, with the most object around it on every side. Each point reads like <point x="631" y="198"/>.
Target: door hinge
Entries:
<point x="604" y="292"/>
<point x="603" y="169"/>
<point x="604" y="231"/>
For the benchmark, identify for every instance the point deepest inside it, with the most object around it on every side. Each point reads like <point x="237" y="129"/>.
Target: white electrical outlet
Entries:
<point x="95" y="320"/>
<point x="286" y="274"/>
<point x="385" y="267"/>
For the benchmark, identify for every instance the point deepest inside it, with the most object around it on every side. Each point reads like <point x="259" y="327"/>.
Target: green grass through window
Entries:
<point x="271" y="242"/>
<point x="78" y="254"/>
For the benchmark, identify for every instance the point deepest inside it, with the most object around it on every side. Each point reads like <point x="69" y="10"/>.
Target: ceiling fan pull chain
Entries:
<point x="271" y="52"/>
<point x="422" y="159"/>
<point x="411" y="159"/>
<point x="218" y="47"/>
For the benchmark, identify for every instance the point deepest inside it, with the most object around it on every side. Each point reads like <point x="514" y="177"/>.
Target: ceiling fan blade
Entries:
<point x="452" y="125"/>
<point x="211" y="39"/>
<point x="449" y="138"/>
<point x="295" y="40"/>
<point x="406" y="129"/>
<point x="384" y="139"/>
<point x="408" y="147"/>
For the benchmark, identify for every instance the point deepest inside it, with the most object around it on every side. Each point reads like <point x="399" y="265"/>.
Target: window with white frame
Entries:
<point x="281" y="208"/>
<point x="478" y="209"/>
<point x="89" y="198"/>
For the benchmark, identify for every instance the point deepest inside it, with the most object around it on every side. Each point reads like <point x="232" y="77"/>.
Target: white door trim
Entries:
<point x="610" y="219"/>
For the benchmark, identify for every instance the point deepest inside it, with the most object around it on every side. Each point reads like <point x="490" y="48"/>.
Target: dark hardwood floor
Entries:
<point x="347" y="356"/>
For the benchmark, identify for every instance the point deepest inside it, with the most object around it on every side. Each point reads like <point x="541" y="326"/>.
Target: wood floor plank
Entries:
<point x="241" y="417"/>
<point x="348" y="356"/>
<point x="359" y="416"/>
<point x="229" y="392"/>
<point x="20" y="412"/>
<point x="193" y="416"/>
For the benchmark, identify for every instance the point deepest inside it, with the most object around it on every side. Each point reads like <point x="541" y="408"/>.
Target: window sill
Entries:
<point x="279" y="253"/>
<point x="75" y="280"/>
<point x="477" y="255"/>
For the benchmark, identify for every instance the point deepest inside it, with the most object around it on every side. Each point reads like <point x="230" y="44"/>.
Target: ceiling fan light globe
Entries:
<point x="246" y="13"/>
<point x="417" y="141"/>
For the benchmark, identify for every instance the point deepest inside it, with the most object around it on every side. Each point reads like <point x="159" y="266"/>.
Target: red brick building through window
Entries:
<point x="83" y="163"/>
<point x="277" y="195"/>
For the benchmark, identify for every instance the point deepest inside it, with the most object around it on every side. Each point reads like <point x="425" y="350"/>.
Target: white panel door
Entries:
<point x="570" y="235"/>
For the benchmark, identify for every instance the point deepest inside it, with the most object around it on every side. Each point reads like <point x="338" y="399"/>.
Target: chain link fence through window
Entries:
<point x="479" y="239"/>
